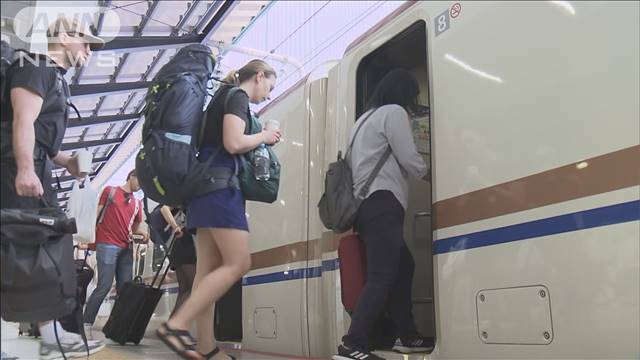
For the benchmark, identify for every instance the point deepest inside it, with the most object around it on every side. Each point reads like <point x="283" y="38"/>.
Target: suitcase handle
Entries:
<point x="172" y="240"/>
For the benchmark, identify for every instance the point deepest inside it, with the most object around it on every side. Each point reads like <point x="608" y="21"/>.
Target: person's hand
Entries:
<point x="72" y="167"/>
<point x="70" y="163"/>
<point x="271" y="137"/>
<point x="28" y="184"/>
<point x="178" y="232"/>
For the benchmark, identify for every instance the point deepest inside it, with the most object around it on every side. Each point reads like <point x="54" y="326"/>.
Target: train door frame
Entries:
<point x="370" y="70"/>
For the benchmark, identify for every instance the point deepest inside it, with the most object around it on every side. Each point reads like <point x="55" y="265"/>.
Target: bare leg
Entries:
<point x="233" y="245"/>
<point x="209" y="259"/>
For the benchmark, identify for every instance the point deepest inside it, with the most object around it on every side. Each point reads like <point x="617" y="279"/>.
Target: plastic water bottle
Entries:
<point x="262" y="163"/>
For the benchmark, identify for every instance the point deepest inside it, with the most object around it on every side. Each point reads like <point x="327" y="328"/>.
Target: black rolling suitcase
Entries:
<point x="133" y="308"/>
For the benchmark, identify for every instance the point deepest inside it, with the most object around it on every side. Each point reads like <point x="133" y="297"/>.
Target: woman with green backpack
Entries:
<point x="222" y="240"/>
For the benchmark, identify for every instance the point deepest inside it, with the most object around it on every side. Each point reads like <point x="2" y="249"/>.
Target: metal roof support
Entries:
<point x="80" y="70"/>
<point x="123" y="60"/>
<point x="183" y="20"/>
<point x="88" y="144"/>
<point x="71" y="177"/>
<point x="94" y="120"/>
<point x="134" y="44"/>
<point x="66" y="189"/>
<point x="221" y="12"/>
<point x="94" y="90"/>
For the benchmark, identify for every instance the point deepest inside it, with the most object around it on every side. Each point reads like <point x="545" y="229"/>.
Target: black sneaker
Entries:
<point x="419" y="344"/>
<point x="345" y="353"/>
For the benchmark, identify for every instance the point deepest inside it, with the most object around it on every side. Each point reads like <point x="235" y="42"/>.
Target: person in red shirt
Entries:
<point x="122" y="217"/>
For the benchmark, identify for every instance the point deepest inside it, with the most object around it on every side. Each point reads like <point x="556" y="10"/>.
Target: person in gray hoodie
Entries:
<point x="380" y="218"/>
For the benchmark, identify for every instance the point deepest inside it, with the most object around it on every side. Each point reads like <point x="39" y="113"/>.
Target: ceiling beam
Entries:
<point x="95" y="120"/>
<point x="123" y="59"/>
<point x="66" y="189"/>
<point x="95" y="90"/>
<point x="221" y="13"/>
<point x="88" y="144"/>
<point x="71" y="177"/>
<point x="128" y="44"/>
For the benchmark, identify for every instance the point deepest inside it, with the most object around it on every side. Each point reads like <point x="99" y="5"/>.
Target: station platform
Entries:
<point x="15" y="347"/>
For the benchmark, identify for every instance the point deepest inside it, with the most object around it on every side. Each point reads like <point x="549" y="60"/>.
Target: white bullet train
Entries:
<point x="527" y="239"/>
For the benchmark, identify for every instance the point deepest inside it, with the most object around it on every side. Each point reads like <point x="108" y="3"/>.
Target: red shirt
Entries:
<point x="114" y="228"/>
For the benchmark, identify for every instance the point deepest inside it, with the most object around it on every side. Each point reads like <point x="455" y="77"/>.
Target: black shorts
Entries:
<point x="184" y="252"/>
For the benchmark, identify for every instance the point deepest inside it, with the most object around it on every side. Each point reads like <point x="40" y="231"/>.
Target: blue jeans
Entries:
<point x="113" y="261"/>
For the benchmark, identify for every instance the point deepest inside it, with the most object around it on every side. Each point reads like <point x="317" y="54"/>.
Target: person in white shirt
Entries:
<point x="380" y="219"/>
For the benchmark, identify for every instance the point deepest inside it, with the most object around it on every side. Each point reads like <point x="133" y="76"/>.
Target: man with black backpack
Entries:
<point x="35" y="100"/>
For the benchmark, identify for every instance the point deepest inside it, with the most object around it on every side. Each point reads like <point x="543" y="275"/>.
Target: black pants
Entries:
<point x="390" y="269"/>
<point x="9" y="197"/>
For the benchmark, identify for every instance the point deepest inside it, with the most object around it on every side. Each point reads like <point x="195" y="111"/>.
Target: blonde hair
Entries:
<point x="246" y="72"/>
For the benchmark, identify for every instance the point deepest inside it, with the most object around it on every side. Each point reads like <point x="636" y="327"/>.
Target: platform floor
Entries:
<point x="26" y="348"/>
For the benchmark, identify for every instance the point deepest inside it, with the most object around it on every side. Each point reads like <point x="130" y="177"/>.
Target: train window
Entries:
<point x="408" y="50"/>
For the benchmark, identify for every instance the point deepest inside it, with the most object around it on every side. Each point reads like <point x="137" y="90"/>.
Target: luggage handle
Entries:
<point x="173" y="240"/>
<point x="86" y="255"/>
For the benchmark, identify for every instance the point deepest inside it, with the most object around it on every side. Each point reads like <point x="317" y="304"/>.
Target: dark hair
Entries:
<point x="398" y="87"/>
<point x="131" y="173"/>
<point x="245" y="73"/>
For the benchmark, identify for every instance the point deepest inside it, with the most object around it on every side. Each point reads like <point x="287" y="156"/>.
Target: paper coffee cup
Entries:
<point x="272" y="124"/>
<point x="84" y="159"/>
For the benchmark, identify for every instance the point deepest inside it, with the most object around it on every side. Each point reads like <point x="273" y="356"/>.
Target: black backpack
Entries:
<point x="167" y="166"/>
<point x="38" y="272"/>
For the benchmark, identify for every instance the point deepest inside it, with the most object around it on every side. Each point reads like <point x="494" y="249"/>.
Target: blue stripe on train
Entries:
<point x="587" y="219"/>
<point x="292" y="274"/>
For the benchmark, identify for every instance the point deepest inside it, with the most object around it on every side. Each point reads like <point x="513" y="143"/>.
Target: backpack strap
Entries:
<point x="112" y="193"/>
<point x="365" y="190"/>
<point x="347" y="155"/>
<point x="135" y="213"/>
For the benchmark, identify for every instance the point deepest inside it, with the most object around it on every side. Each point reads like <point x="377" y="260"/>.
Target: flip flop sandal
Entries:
<point x="187" y="342"/>
<point x="214" y="352"/>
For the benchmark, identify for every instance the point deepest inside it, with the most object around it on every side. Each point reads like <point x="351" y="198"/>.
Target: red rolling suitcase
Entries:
<point x="352" y="255"/>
